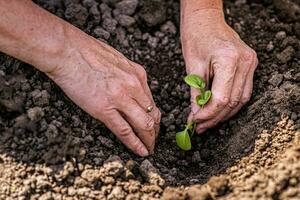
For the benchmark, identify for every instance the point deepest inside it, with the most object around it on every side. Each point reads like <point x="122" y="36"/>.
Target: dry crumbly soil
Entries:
<point x="51" y="149"/>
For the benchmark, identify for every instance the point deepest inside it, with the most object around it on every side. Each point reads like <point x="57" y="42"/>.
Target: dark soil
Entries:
<point x="51" y="149"/>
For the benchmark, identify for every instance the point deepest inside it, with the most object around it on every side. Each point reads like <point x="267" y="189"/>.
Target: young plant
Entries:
<point x="197" y="82"/>
<point x="183" y="138"/>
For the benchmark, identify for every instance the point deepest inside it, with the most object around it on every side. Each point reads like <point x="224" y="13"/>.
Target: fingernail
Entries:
<point x="144" y="152"/>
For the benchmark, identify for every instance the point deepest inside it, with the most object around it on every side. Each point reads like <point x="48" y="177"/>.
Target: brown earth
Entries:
<point x="51" y="149"/>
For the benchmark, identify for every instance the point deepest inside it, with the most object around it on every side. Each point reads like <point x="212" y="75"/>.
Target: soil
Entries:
<point x="51" y="149"/>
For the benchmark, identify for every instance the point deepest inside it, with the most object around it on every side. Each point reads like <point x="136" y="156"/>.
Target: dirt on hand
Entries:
<point x="51" y="149"/>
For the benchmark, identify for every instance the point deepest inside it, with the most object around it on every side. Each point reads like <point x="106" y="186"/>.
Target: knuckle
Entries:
<point x="142" y="73"/>
<point x="234" y="55"/>
<point x="245" y="99"/>
<point x="254" y="54"/>
<point x="233" y="103"/>
<point x="231" y="52"/>
<point x="119" y="96"/>
<point x="248" y="55"/>
<point x="223" y="101"/>
<point x="149" y="124"/>
<point x="125" y="131"/>
<point x="133" y="82"/>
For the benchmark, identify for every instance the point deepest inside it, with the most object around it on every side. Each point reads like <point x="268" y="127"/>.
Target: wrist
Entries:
<point x="194" y="5"/>
<point x="201" y="22"/>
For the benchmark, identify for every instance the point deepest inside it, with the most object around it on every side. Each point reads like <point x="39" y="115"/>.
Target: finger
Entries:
<point x="141" y="122"/>
<point x="119" y="126"/>
<point x="247" y="91"/>
<point x="237" y="90"/>
<point x="221" y="89"/>
<point x="155" y="113"/>
<point x="194" y="66"/>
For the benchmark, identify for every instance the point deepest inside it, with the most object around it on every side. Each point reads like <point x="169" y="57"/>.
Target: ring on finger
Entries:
<point x="149" y="109"/>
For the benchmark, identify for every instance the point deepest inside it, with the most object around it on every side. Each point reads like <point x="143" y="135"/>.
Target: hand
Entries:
<point x="112" y="89"/>
<point x="215" y="52"/>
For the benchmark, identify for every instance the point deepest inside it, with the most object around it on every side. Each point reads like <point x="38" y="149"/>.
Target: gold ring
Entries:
<point x="149" y="109"/>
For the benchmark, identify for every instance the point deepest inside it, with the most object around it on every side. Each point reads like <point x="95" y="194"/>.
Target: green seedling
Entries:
<point x="183" y="138"/>
<point x="197" y="82"/>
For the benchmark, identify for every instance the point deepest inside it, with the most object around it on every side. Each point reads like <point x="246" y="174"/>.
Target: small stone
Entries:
<point x="90" y="175"/>
<point x="76" y="14"/>
<point x="94" y="11"/>
<point x="113" y="167"/>
<point x="286" y="55"/>
<point x="105" y="141"/>
<point x="52" y="133"/>
<point x="168" y="27"/>
<point x="131" y="165"/>
<point x="116" y="193"/>
<point x="150" y="173"/>
<point x="280" y="35"/>
<point x="153" y="41"/>
<point x="71" y="191"/>
<point x="101" y="33"/>
<point x="218" y="185"/>
<point x="294" y="116"/>
<point x="153" y="12"/>
<point x="35" y="114"/>
<point x="80" y="182"/>
<point x="125" y="20"/>
<point x="105" y="10"/>
<point x="127" y="7"/>
<point x="168" y="120"/>
<point x="276" y="79"/>
<point x="40" y="98"/>
<point x="89" y="3"/>
<point x="109" y="25"/>
<point x="199" y="193"/>
<point x="173" y="194"/>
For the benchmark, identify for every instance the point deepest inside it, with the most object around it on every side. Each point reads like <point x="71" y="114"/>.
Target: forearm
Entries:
<point x="200" y="12"/>
<point x="32" y="34"/>
<point x="196" y="5"/>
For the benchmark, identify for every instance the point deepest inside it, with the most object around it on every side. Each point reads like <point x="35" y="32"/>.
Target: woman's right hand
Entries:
<point x="110" y="88"/>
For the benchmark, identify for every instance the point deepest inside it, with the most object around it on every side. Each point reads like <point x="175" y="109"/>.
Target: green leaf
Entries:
<point x="207" y="95"/>
<point x="203" y="99"/>
<point x="195" y="81"/>
<point x="183" y="140"/>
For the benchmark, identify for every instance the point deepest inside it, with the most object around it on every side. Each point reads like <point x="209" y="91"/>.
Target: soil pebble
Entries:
<point x="153" y="12"/>
<point x="150" y="173"/>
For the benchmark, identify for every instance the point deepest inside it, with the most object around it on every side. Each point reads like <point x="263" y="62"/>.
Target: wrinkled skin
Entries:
<point x="113" y="90"/>
<point x="215" y="52"/>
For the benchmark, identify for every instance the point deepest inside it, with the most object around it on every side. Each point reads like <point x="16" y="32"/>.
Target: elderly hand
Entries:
<point x="215" y="52"/>
<point x="112" y="89"/>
